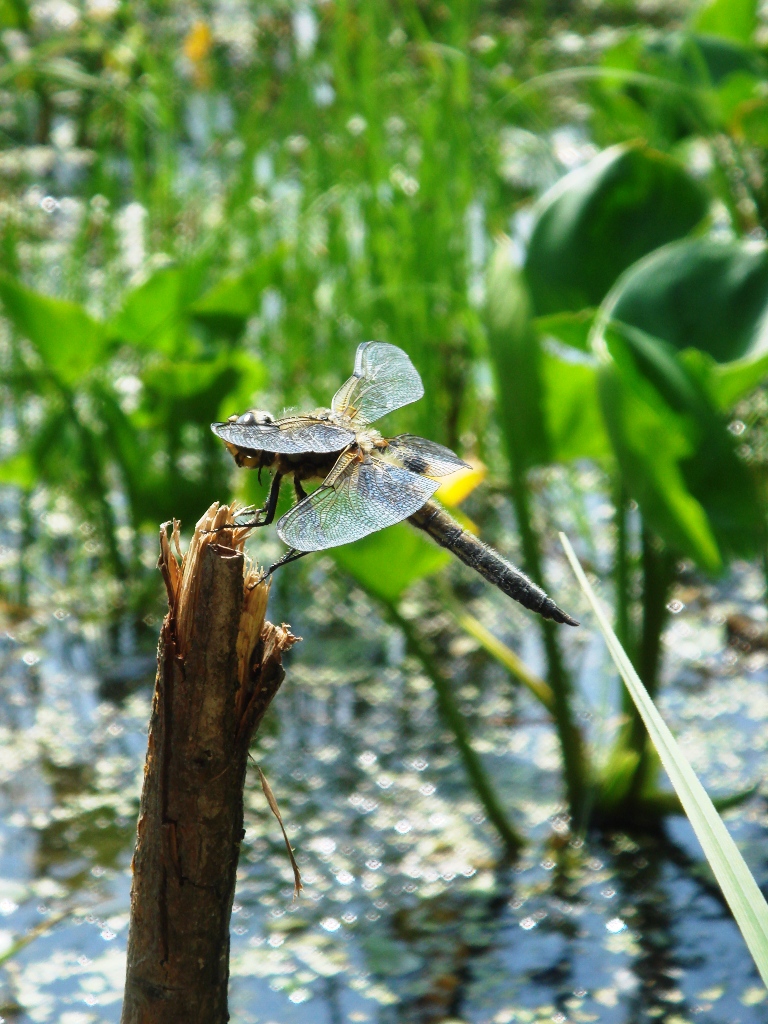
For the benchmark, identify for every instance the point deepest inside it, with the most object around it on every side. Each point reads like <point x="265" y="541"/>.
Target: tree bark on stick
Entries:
<point x="219" y="666"/>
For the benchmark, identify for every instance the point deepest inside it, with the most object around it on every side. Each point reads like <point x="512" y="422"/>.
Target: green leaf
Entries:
<point x="732" y="19"/>
<point x="725" y="383"/>
<point x="516" y="357"/>
<point x="199" y="391"/>
<point x="573" y="419"/>
<point x="14" y="14"/>
<point x="547" y="398"/>
<point x="650" y="441"/>
<point x="651" y="375"/>
<point x="154" y="315"/>
<point x="388" y="562"/>
<point x="723" y="58"/>
<point x="736" y="99"/>
<point x="702" y="293"/>
<point x="700" y="61"/>
<point x="741" y="891"/>
<point x="250" y="378"/>
<point x="750" y="122"/>
<point x="226" y="307"/>
<point x="712" y="295"/>
<point x="69" y="341"/>
<point x="571" y="329"/>
<point x="19" y="470"/>
<point x="601" y="218"/>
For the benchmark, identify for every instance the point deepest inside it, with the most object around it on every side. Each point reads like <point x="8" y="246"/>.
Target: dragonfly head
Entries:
<point x="252" y="418"/>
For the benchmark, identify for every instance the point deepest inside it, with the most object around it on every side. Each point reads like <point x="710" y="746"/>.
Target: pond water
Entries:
<point x="406" y="916"/>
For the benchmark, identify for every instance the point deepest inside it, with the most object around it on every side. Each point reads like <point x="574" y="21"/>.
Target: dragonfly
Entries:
<point x="367" y="481"/>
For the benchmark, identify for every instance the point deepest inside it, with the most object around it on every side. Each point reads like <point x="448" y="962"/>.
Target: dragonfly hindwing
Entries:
<point x="364" y="497"/>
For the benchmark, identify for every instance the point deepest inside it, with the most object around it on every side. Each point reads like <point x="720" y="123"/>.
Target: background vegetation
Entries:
<point x="557" y="209"/>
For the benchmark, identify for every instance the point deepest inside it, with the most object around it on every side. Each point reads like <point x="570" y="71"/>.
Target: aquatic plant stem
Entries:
<point x="455" y="721"/>
<point x="94" y="472"/>
<point x="632" y="765"/>
<point x="658" y="565"/>
<point x="219" y="667"/>
<point x="575" y="764"/>
<point x="622" y="569"/>
<point x="26" y="536"/>
<point x="504" y="655"/>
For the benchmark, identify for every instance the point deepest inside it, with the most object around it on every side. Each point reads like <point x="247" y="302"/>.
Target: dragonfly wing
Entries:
<point x="361" y="499"/>
<point x="294" y="435"/>
<point x="422" y="456"/>
<point x="384" y="379"/>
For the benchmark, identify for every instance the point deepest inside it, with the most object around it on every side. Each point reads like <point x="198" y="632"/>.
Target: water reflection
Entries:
<point x="405" y="917"/>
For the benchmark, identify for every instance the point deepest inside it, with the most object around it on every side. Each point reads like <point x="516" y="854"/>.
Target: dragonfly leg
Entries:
<point x="262" y="516"/>
<point x="300" y="492"/>
<point x="291" y="555"/>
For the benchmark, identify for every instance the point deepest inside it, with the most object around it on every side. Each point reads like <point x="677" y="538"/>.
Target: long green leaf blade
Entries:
<point x="728" y="866"/>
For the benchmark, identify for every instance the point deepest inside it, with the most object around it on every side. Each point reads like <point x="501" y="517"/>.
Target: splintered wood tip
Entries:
<point x="181" y="573"/>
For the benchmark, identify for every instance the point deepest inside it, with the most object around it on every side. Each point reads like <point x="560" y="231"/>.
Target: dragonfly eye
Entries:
<point x="253" y="418"/>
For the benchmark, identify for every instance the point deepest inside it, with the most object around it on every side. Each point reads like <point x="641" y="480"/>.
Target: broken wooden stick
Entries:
<point x="219" y="665"/>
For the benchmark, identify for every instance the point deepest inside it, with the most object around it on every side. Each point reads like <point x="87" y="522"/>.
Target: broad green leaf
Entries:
<point x="226" y="306"/>
<point x="199" y="391"/>
<point x="642" y="371"/>
<point x="732" y="19"/>
<point x="742" y="893"/>
<point x="750" y="122"/>
<point x="149" y="451"/>
<point x="388" y="562"/>
<point x="733" y="381"/>
<point x="69" y="341"/>
<point x="702" y="293"/>
<point x="699" y="61"/>
<point x="724" y="57"/>
<point x="737" y="97"/>
<point x="154" y="315"/>
<point x="547" y="398"/>
<point x="516" y="357"/>
<point x="573" y="419"/>
<point x="181" y="380"/>
<point x="725" y="383"/>
<point x="250" y="378"/>
<point x="571" y="329"/>
<point x="601" y="218"/>
<point x="650" y="441"/>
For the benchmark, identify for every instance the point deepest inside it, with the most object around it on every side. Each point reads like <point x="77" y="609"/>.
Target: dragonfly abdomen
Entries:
<point x="478" y="556"/>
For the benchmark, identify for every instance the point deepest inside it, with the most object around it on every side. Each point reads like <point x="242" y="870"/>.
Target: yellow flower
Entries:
<point x="198" y="42"/>
<point x="459" y="485"/>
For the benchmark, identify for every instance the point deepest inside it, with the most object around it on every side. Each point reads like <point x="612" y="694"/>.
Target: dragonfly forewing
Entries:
<point x="294" y="435"/>
<point x="384" y="379"/>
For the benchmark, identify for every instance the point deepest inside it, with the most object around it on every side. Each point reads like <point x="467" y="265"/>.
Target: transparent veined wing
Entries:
<point x="291" y="435"/>
<point x="385" y="379"/>
<point x="422" y="456"/>
<point x="357" y="498"/>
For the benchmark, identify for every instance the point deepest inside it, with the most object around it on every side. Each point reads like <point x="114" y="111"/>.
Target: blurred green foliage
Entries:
<point x="558" y="212"/>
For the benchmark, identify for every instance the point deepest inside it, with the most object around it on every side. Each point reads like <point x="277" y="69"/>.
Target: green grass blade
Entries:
<point x="734" y="878"/>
